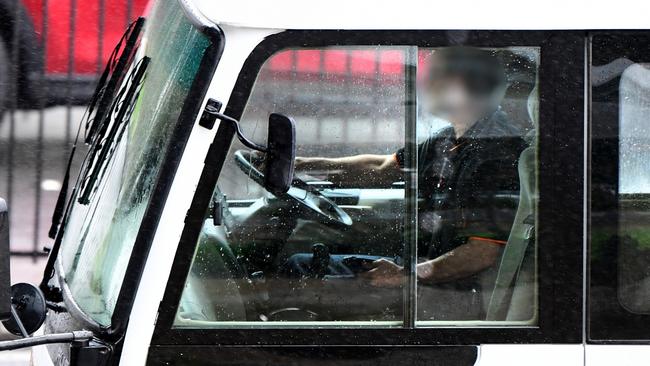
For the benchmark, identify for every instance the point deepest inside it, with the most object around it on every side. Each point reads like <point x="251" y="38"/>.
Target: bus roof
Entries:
<point x="450" y="14"/>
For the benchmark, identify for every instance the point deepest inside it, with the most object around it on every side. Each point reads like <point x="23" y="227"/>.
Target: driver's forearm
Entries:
<point x="367" y="170"/>
<point x="464" y="261"/>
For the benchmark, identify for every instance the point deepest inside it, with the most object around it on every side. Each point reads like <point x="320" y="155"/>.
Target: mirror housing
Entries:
<point x="5" y="272"/>
<point x="30" y="309"/>
<point x="280" y="154"/>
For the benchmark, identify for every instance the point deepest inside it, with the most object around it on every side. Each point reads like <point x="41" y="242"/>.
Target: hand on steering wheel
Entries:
<point x="300" y="192"/>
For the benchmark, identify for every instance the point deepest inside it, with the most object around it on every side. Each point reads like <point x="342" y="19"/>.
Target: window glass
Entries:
<point x="476" y="248"/>
<point x="332" y="251"/>
<point x="634" y="189"/>
<point x="99" y="236"/>
<point x="274" y="259"/>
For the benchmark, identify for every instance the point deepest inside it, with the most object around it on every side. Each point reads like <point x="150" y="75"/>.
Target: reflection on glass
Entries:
<point x="634" y="141"/>
<point x="634" y="189"/>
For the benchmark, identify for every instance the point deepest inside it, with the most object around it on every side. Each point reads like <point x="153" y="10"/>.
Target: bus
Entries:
<point x="355" y="185"/>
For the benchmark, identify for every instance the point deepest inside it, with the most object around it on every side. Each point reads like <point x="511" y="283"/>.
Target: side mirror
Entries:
<point x="29" y="307"/>
<point x="280" y="154"/>
<point x="280" y="150"/>
<point x="5" y="273"/>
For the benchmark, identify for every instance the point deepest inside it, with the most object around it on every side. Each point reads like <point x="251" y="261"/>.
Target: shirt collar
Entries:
<point x="479" y="127"/>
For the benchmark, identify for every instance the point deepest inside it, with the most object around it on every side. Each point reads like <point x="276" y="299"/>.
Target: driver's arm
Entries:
<point x="463" y="261"/>
<point x="487" y="226"/>
<point x="360" y="170"/>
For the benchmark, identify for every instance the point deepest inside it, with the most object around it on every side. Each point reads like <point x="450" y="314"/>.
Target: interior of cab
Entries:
<point x="238" y="273"/>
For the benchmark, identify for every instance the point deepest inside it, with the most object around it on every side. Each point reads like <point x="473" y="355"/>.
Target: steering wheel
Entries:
<point x="326" y="210"/>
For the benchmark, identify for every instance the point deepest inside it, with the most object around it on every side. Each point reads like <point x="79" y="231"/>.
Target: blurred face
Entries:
<point x="460" y="92"/>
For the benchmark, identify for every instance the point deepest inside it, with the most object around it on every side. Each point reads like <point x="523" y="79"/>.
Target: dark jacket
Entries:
<point x="468" y="186"/>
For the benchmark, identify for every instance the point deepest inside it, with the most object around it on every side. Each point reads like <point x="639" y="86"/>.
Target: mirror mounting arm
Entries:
<point x="240" y="135"/>
<point x="213" y="111"/>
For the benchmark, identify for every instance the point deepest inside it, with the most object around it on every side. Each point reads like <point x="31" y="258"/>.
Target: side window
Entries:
<point x="414" y="199"/>
<point x="280" y="258"/>
<point x="477" y="188"/>
<point x="620" y="188"/>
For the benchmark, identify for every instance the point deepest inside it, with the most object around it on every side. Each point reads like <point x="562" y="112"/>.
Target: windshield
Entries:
<point x="99" y="236"/>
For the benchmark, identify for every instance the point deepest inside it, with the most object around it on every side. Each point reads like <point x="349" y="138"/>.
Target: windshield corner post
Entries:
<point x="411" y="189"/>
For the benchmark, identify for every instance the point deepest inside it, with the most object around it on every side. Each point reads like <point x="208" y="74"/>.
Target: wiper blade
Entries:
<point x="122" y="109"/>
<point x="112" y="77"/>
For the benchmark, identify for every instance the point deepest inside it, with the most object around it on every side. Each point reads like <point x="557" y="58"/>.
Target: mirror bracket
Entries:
<point x="211" y="114"/>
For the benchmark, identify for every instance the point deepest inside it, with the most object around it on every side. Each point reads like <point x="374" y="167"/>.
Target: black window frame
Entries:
<point x="560" y="229"/>
<point x="608" y="321"/>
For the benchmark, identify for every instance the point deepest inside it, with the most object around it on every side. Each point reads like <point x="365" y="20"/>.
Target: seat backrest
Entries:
<point x="213" y="288"/>
<point x="514" y="297"/>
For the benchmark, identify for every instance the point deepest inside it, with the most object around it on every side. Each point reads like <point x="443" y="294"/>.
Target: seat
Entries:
<point x="213" y="290"/>
<point x="515" y="295"/>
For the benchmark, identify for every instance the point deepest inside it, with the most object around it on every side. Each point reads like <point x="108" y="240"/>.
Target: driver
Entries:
<point x="460" y="168"/>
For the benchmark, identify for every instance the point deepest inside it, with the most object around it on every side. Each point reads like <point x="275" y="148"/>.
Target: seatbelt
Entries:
<point x="521" y="235"/>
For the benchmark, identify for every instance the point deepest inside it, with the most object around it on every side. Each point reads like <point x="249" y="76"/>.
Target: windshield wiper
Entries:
<point x="95" y="115"/>
<point x="113" y="76"/>
<point x="102" y="97"/>
<point x="122" y="108"/>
